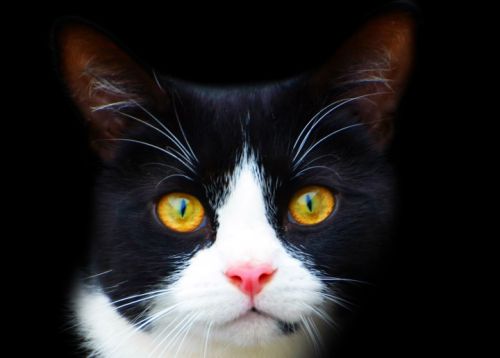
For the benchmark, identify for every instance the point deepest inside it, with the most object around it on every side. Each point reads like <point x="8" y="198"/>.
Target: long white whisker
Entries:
<point x="342" y="279"/>
<point x="331" y="107"/>
<point x="142" y="122"/>
<point x="318" y="158"/>
<point x="316" y="122"/>
<point x="114" y="106"/>
<point x="310" y="334"/>
<point x="98" y="274"/>
<point x="176" y="320"/>
<point x="186" y="334"/>
<point x="184" y="155"/>
<point x="142" y="299"/>
<point x="139" y="295"/>
<point x="178" y="171"/>
<point x="153" y="146"/>
<point x="183" y="133"/>
<point x="338" y="300"/>
<point x="315" y="167"/>
<point x="320" y="112"/>
<point x="315" y="331"/>
<point x="322" y="314"/>
<point x="323" y="139"/>
<point x="176" y="152"/>
<point x="173" y="175"/>
<point x="172" y="136"/>
<point x="163" y="165"/>
<point x="143" y="323"/>
<point x="176" y="331"/>
<point x="205" y="349"/>
<point x="155" y="76"/>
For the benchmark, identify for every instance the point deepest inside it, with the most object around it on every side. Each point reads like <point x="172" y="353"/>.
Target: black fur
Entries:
<point x="141" y="252"/>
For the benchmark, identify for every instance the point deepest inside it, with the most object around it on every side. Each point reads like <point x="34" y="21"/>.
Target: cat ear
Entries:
<point x="103" y="81"/>
<point x="374" y="65"/>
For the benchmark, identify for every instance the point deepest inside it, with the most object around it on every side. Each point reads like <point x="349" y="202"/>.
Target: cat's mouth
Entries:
<point x="285" y="327"/>
<point x="254" y="312"/>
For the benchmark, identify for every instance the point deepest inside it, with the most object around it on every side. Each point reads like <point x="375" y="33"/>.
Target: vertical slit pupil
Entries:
<point x="183" y="207"/>
<point x="309" y="202"/>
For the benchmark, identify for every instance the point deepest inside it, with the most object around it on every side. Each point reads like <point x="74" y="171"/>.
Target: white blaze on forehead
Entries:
<point x="244" y="232"/>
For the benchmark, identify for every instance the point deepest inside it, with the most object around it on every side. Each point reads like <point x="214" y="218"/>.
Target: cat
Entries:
<point x="233" y="221"/>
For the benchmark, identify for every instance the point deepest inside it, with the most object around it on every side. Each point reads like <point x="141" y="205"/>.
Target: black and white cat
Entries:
<point x="230" y="221"/>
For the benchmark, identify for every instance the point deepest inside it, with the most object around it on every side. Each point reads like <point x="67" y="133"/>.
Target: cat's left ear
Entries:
<point x="103" y="80"/>
<point x="374" y="65"/>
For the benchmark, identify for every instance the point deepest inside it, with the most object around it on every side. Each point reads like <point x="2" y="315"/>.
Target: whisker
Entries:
<point x="323" y="139"/>
<point x="142" y="122"/>
<point x="315" y="332"/>
<point x="341" y="279"/>
<point x="136" y="327"/>
<point x="143" y="323"/>
<point x="342" y="302"/>
<point x="113" y="106"/>
<point x="178" y="329"/>
<point x="173" y="175"/>
<point x="310" y="334"/>
<point x="98" y="274"/>
<point x="178" y="321"/>
<point x="186" y="334"/>
<point x="315" y="167"/>
<point x="139" y="295"/>
<point x="155" y="76"/>
<point x="322" y="315"/>
<point x="155" y="147"/>
<point x="205" y="349"/>
<point x="142" y="299"/>
<point x="183" y="133"/>
<point x="320" y="112"/>
<point x="319" y="158"/>
<point x="163" y="165"/>
<point x="327" y="110"/>
<point x="176" y="152"/>
<point x="172" y="136"/>
<point x="331" y="108"/>
<point x="184" y="155"/>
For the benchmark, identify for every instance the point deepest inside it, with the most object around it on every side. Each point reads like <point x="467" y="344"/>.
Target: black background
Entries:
<point x="48" y="160"/>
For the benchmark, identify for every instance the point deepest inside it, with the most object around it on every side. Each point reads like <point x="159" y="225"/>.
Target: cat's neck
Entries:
<point x="109" y="335"/>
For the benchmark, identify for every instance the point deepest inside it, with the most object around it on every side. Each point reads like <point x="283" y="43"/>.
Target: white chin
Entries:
<point x="251" y="329"/>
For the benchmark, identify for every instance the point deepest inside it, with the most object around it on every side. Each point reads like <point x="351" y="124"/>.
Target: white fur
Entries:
<point x="202" y="296"/>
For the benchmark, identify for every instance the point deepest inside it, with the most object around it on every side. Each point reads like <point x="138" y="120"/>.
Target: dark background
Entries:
<point x="240" y="43"/>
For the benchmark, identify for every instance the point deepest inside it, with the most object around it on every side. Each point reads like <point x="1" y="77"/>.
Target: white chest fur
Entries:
<point x="109" y="335"/>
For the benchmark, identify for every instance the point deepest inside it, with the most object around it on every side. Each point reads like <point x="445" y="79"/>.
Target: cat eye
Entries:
<point x="311" y="205"/>
<point x="180" y="212"/>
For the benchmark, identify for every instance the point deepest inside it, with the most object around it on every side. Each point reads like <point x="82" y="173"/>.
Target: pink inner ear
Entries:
<point x="376" y="61"/>
<point x="101" y="78"/>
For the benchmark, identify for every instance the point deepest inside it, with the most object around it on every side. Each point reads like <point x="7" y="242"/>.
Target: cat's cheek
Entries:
<point x="292" y="292"/>
<point x="202" y="288"/>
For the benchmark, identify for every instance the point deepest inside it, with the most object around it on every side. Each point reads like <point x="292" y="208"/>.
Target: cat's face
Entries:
<point x="235" y="216"/>
<point x="248" y="235"/>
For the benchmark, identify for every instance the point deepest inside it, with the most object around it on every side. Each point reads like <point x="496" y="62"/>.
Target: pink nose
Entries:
<point x="250" y="279"/>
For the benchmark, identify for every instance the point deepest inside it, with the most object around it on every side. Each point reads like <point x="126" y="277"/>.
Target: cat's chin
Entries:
<point x="250" y="329"/>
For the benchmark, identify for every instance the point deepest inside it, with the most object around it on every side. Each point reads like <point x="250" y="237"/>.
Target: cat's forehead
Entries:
<point x="237" y="106"/>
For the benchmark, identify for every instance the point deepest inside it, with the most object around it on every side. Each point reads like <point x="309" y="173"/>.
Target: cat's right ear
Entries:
<point x="103" y="81"/>
<point x="372" y="68"/>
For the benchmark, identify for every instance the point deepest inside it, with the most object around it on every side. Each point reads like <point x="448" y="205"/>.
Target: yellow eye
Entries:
<point x="311" y="205"/>
<point x="180" y="212"/>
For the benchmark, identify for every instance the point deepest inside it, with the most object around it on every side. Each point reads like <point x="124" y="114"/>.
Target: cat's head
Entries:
<point x="239" y="211"/>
